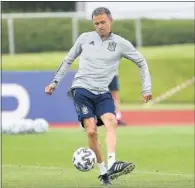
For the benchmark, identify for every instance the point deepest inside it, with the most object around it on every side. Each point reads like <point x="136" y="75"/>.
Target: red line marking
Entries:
<point x="148" y="118"/>
<point x="159" y="117"/>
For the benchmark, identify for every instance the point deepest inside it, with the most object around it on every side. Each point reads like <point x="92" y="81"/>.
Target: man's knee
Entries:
<point x="109" y="120"/>
<point x="90" y="127"/>
<point x="91" y="133"/>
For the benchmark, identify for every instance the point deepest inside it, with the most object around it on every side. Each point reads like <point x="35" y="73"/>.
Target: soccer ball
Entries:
<point x="84" y="159"/>
<point x="40" y="125"/>
<point x="22" y="126"/>
<point x="29" y="125"/>
<point x="7" y="126"/>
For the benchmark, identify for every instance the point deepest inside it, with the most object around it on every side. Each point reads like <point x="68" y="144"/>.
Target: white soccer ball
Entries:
<point x="7" y="127"/>
<point x="40" y="125"/>
<point x="15" y="129"/>
<point x="84" y="159"/>
<point x="20" y="126"/>
<point x="29" y="125"/>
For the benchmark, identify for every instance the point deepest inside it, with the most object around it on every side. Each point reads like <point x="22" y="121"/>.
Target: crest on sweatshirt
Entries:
<point x="112" y="46"/>
<point x="92" y="43"/>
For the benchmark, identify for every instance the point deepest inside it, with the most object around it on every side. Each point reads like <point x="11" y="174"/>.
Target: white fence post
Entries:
<point x="138" y="32"/>
<point x="10" y="27"/>
<point x="9" y="17"/>
<point x="74" y="28"/>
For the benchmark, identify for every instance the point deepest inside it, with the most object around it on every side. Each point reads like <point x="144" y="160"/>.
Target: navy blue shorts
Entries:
<point x="89" y="105"/>
<point x="114" y="85"/>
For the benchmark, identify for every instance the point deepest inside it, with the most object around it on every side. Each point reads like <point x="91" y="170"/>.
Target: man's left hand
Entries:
<point x="147" y="97"/>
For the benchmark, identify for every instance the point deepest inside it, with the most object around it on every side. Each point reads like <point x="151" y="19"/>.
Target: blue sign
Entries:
<point x="23" y="96"/>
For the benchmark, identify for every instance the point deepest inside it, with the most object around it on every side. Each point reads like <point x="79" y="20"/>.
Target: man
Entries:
<point x="114" y="89"/>
<point x="100" y="52"/>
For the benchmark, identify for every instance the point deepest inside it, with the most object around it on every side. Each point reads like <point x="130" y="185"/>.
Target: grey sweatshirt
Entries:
<point x="99" y="61"/>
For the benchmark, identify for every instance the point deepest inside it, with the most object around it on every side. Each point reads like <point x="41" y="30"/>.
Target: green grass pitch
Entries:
<point x="164" y="158"/>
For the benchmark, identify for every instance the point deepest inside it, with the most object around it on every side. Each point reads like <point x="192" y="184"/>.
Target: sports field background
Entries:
<point x="162" y="151"/>
<point x="164" y="155"/>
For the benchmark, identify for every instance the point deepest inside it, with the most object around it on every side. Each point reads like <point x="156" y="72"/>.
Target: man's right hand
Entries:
<point x="50" y="88"/>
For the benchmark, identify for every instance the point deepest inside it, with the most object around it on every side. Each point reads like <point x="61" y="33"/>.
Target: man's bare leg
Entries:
<point x="115" y="169"/>
<point x="93" y="142"/>
<point x="110" y="123"/>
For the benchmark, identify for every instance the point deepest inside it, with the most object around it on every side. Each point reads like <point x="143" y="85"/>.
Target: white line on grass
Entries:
<point x="171" y="92"/>
<point x="164" y="173"/>
<point x="136" y="171"/>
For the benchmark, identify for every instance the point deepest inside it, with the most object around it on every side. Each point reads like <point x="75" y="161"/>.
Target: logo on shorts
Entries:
<point x="112" y="46"/>
<point x="77" y="108"/>
<point x="84" y="110"/>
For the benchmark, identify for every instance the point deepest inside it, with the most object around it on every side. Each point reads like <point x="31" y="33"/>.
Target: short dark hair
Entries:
<point x="100" y="11"/>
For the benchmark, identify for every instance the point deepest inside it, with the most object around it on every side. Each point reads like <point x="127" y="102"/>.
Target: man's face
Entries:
<point x="102" y="24"/>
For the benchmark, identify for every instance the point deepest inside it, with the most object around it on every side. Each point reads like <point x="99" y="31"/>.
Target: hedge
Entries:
<point x="38" y="35"/>
<point x="37" y="6"/>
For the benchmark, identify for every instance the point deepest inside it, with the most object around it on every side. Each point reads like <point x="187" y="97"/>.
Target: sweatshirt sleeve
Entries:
<point x="129" y="52"/>
<point x="74" y="52"/>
